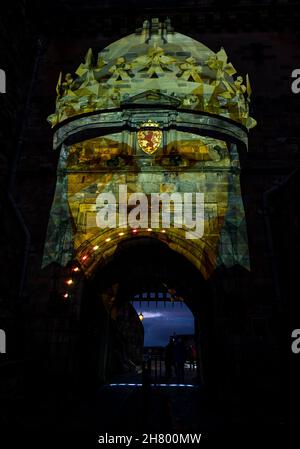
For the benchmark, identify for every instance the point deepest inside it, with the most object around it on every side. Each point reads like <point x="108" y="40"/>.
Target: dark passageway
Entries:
<point x="142" y="265"/>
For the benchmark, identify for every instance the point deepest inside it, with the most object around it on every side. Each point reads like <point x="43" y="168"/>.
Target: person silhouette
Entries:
<point x="179" y="356"/>
<point x="169" y="358"/>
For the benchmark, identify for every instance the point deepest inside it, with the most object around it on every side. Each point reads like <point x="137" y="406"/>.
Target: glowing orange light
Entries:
<point x="149" y="229"/>
<point x="75" y="269"/>
<point x="69" y="281"/>
<point x="108" y="239"/>
<point x="84" y="257"/>
<point x="121" y="233"/>
<point x="134" y="231"/>
<point x="163" y="231"/>
<point x="95" y="247"/>
<point x="66" y="295"/>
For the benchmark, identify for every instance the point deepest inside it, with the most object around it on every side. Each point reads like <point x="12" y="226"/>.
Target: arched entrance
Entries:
<point x="151" y="133"/>
<point x="111" y="328"/>
<point x="169" y="354"/>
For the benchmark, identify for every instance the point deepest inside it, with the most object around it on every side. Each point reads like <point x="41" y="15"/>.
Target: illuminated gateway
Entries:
<point x="161" y="113"/>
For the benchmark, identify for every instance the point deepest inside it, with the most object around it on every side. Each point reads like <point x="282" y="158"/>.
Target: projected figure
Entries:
<point x="171" y="118"/>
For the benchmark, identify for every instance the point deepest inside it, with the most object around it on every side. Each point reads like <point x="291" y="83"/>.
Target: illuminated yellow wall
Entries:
<point x="200" y="112"/>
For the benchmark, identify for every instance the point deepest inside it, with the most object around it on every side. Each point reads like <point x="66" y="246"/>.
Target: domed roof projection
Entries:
<point x="155" y="59"/>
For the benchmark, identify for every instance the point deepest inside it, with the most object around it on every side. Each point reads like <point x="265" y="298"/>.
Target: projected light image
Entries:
<point x="157" y="114"/>
<point x="164" y="319"/>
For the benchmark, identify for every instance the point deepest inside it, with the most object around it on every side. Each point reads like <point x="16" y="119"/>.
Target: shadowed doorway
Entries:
<point x="169" y="336"/>
<point x="112" y="332"/>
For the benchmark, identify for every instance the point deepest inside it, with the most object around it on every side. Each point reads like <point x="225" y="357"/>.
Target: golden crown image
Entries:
<point x="169" y="62"/>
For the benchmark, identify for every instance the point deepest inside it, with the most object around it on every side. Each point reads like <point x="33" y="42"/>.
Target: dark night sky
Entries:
<point x="163" y="319"/>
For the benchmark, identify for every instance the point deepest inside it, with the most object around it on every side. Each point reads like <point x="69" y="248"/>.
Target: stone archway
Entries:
<point x="181" y="95"/>
<point x="201" y="113"/>
<point x="140" y="264"/>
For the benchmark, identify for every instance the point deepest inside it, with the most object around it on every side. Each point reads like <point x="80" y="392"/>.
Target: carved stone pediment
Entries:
<point x="152" y="98"/>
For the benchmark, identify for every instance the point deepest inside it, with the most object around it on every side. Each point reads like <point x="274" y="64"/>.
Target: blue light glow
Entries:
<point x="164" y="319"/>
